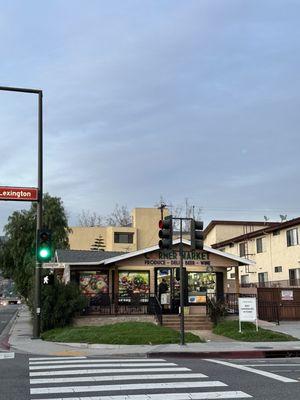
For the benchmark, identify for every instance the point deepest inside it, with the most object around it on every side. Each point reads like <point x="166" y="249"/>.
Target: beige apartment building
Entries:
<point x="140" y="234"/>
<point x="275" y="249"/>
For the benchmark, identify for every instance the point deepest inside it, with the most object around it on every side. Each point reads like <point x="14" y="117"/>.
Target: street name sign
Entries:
<point x="18" y="193"/>
<point x="247" y="311"/>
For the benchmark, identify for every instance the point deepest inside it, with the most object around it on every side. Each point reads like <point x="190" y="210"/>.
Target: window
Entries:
<point x="294" y="276"/>
<point x="292" y="237"/>
<point x="259" y="245"/>
<point x="199" y="285"/>
<point x="121" y="237"/>
<point x="244" y="279"/>
<point x="262" y="278"/>
<point x="278" y="269"/>
<point x="242" y="247"/>
<point x="276" y="233"/>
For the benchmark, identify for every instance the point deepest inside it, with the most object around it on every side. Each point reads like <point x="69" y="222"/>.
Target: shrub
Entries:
<point x="217" y="310"/>
<point x="59" y="304"/>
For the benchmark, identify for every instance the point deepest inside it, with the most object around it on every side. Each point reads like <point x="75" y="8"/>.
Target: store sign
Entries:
<point x="18" y="193"/>
<point x="287" y="295"/>
<point x="171" y="258"/>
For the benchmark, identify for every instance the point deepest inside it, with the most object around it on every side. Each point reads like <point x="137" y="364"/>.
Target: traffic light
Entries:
<point x="196" y="235"/>
<point x="48" y="279"/>
<point x="166" y="233"/>
<point x="43" y="248"/>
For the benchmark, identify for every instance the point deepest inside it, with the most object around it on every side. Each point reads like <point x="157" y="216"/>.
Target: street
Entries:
<point x="33" y="377"/>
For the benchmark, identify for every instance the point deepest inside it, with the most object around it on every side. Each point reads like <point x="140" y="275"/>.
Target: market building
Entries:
<point x="117" y="282"/>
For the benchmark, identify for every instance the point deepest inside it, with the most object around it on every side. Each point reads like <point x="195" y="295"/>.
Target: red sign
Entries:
<point x="18" y="193"/>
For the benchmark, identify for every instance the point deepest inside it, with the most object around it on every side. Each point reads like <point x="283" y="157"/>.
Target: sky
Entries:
<point x="194" y="100"/>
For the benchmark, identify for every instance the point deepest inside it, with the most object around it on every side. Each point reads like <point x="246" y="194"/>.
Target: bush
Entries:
<point x="59" y="304"/>
<point x="217" y="310"/>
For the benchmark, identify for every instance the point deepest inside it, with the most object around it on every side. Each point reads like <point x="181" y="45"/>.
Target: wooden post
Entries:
<point x="116" y="287"/>
<point x="237" y="280"/>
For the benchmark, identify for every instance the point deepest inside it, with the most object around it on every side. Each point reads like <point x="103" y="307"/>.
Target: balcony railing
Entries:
<point x="270" y="284"/>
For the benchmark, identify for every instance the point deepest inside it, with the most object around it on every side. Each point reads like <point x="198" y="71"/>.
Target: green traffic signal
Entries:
<point x="44" y="250"/>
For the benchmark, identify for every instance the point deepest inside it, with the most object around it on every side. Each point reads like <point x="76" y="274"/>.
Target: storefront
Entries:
<point x="136" y="277"/>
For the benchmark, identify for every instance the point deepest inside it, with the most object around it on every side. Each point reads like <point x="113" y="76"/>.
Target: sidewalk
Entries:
<point x="21" y="341"/>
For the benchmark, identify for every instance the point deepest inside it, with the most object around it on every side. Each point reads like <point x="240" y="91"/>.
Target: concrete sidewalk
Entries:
<point x="21" y="341"/>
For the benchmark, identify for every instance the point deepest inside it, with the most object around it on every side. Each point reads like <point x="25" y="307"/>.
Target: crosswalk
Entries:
<point x="6" y="355"/>
<point x="57" y="378"/>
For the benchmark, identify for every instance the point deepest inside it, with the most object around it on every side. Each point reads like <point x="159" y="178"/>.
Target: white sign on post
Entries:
<point x="247" y="311"/>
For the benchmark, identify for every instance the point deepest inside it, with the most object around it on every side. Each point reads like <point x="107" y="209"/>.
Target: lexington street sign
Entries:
<point x="18" y="193"/>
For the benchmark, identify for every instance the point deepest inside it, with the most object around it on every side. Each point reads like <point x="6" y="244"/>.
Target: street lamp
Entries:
<point x="39" y="219"/>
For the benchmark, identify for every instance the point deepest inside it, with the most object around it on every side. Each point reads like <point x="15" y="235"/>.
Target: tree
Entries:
<point x="88" y="218"/>
<point x="119" y="217"/>
<point x="98" y="244"/>
<point x="185" y="210"/>
<point x="17" y="252"/>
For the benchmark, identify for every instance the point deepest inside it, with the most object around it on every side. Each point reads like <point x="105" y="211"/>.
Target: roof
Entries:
<point x="215" y="222"/>
<point x="83" y="256"/>
<point x="88" y="257"/>
<point x="268" y="229"/>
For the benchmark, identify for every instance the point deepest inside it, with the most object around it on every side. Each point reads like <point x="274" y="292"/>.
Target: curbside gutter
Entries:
<point x="229" y="354"/>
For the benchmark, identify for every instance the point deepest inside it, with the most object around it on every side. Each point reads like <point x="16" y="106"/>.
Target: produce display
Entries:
<point x="133" y="282"/>
<point x="93" y="284"/>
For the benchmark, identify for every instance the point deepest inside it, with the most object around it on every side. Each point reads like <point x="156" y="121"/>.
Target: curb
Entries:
<point x="228" y="354"/>
<point x="4" y="338"/>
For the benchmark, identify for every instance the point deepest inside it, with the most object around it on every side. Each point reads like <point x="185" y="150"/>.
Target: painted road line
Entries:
<point x="56" y="358"/>
<point x="117" y="378"/>
<point x="35" y="367"/>
<point x="6" y="355"/>
<point x="73" y="360"/>
<point x="168" y="396"/>
<point x="106" y="371"/>
<point x="255" y="371"/>
<point x="136" y="386"/>
<point x="272" y="365"/>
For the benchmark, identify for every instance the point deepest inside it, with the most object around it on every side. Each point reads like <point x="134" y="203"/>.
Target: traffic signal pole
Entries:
<point x="182" y="336"/>
<point x="166" y="242"/>
<point x="39" y="219"/>
<point x="39" y="222"/>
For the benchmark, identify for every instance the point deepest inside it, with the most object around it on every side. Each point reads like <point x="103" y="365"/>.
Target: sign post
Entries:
<point x="247" y="311"/>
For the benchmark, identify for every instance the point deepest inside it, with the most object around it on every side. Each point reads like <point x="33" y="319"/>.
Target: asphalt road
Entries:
<point x="25" y="377"/>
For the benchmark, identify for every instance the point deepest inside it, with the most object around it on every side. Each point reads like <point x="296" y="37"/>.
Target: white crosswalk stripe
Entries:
<point x="6" y="355"/>
<point x="134" y="379"/>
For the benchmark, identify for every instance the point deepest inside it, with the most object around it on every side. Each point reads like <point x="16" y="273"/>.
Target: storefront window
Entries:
<point x="133" y="282"/>
<point x="200" y="284"/>
<point x="93" y="283"/>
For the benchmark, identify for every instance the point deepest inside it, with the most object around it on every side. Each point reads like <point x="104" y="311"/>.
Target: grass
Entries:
<point x="120" y="333"/>
<point x="231" y="329"/>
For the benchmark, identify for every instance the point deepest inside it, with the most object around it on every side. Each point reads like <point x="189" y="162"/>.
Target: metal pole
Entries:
<point x="39" y="219"/>
<point x="182" y="341"/>
<point x="39" y="223"/>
